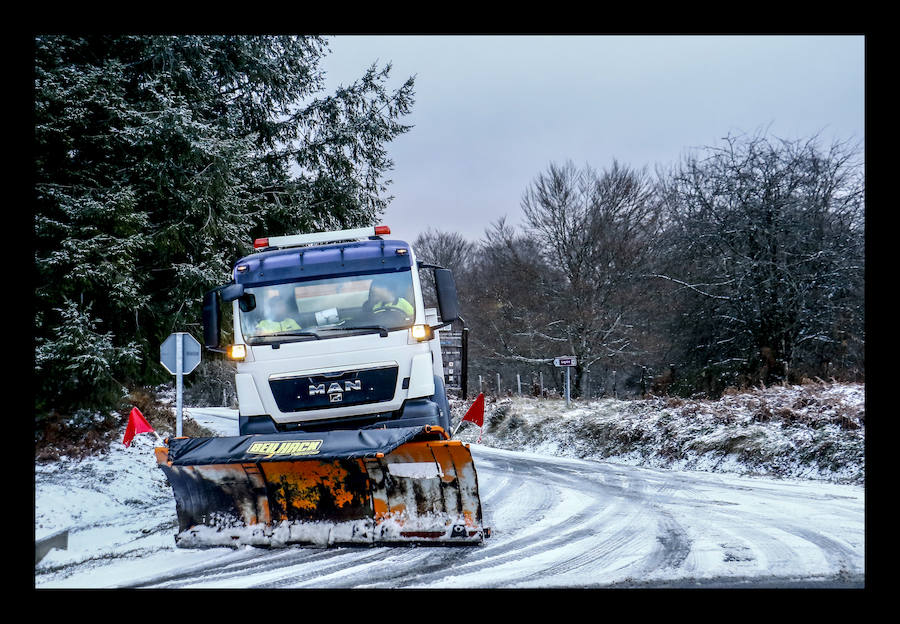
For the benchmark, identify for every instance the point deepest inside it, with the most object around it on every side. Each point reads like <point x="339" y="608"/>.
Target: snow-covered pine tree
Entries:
<point x="158" y="159"/>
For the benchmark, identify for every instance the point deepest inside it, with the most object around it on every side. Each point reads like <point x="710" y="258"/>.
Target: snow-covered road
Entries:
<point x="556" y="523"/>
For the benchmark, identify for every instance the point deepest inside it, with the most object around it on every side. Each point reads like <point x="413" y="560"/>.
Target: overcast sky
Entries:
<point x="492" y="112"/>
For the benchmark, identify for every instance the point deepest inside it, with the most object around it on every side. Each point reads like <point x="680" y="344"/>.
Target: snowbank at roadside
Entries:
<point x="814" y="431"/>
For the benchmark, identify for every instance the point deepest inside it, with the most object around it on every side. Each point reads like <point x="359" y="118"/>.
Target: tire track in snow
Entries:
<point x="254" y="561"/>
<point x="564" y="529"/>
<point x="441" y="561"/>
<point x="608" y="544"/>
<point x="522" y="527"/>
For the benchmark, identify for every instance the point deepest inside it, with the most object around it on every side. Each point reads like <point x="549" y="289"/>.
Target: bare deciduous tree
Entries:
<point x="765" y="242"/>
<point x="588" y="236"/>
<point x="447" y="249"/>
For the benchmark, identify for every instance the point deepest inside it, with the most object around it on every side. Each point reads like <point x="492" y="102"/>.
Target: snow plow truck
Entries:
<point x="344" y="420"/>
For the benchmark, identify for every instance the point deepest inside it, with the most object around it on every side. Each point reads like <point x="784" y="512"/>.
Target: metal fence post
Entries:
<point x="464" y="380"/>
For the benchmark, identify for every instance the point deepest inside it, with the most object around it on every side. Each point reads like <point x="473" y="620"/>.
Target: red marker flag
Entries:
<point x="136" y="424"/>
<point x="474" y="415"/>
<point x="476" y="412"/>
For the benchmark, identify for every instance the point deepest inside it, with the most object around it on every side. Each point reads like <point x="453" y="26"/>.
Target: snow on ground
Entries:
<point x="119" y="505"/>
<point x="117" y="484"/>
<point x="116" y="505"/>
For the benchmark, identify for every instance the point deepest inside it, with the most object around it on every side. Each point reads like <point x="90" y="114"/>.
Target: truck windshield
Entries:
<point x="328" y="307"/>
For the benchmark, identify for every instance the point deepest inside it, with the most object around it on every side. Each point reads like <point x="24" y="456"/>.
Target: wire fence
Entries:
<point x="609" y="384"/>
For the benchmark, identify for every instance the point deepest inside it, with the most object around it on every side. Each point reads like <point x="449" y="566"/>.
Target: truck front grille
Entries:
<point x="352" y="387"/>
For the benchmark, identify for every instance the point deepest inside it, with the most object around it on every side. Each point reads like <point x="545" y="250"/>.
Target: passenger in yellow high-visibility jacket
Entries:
<point x="383" y="299"/>
<point x="278" y="318"/>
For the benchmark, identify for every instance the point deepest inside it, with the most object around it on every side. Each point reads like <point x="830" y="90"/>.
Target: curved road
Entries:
<point x="572" y="523"/>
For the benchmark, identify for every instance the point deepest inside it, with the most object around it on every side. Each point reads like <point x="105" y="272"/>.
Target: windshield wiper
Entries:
<point x="291" y="333"/>
<point x="382" y="331"/>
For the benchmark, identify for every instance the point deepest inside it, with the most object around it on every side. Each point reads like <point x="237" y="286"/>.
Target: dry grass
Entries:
<point x="87" y="433"/>
<point x="161" y="416"/>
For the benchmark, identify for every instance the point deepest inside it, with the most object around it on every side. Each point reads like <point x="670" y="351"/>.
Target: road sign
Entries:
<point x="190" y="353"/>
<point x="567" y="362"/>
<point x="180" y="354"/>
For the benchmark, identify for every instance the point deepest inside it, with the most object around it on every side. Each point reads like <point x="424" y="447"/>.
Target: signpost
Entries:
<point x="180" y="355"/>
<point x="566" y="361"/>
<point x="452" y="354"/>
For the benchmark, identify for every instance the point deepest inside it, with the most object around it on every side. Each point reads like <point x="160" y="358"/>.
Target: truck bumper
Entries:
<point x="414" y="413"/>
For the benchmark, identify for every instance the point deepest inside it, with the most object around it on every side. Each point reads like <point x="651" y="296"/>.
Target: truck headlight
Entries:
<point x="237" y="352"/>
<point x="421" y="332"/>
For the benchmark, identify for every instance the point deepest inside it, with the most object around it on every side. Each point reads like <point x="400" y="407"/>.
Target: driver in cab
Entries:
<point x="278" y="317"/>
<point x="382" y="298"/>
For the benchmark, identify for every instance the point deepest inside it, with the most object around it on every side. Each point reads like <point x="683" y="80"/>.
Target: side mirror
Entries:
<point x="247" y="302"/>
<point x="211" y="318"/>
<point x="232" y="292"/>
<point x="448" y="302"/>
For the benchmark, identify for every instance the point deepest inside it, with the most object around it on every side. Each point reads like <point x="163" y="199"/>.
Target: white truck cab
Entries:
<point x="331" y="332"/>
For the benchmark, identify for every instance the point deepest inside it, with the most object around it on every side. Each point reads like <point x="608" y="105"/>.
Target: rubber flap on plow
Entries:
<point x="341" y="487"/>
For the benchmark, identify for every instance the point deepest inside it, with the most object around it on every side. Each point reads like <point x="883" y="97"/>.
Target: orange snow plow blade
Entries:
<point x="340" y="487"/>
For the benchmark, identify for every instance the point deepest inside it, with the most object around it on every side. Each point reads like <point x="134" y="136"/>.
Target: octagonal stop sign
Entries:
<point x="190" y="353"/>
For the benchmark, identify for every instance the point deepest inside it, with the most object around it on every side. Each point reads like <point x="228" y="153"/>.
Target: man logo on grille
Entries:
<point x="349" y="386"/>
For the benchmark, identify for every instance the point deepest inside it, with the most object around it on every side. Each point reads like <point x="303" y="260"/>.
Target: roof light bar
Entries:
<point x="320" y="237"/>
